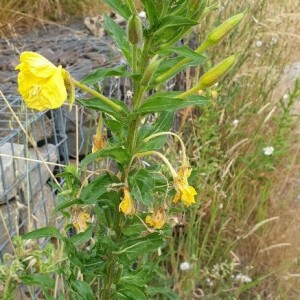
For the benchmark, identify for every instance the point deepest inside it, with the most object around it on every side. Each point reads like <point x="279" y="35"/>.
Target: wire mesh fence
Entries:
<point x="33" y="147"/>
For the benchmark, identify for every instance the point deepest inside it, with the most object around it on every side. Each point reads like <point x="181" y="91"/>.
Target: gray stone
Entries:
<point x="17" y="173"/>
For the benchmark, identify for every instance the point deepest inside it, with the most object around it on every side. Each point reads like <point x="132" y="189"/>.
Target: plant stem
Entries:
<point x="96" y="94"/>
<point x="132" y="7"/>
<point x="134" y="58"/>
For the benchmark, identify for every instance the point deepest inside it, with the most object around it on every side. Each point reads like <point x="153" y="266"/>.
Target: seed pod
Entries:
<point x="134" y="30"/>
<point x="217" y="72"/>
<point x="150" y="70"/>
<point x="224" y="29"/>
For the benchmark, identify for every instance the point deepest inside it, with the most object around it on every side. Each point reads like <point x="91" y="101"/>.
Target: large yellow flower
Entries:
<point x="184" y="191"/>
<point x="127" y="205"/>
<point x="158" y="219"/>
<point x="41" y="84"/>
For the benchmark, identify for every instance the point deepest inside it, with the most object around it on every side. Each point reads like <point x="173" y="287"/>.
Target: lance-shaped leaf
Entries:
<point x="119" y="36"/>
<point x="166" y="102"/>
<point x="120" y="7"/>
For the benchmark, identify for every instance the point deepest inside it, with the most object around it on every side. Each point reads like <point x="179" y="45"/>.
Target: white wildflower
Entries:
<point x="129" y="94"/>
<point x="258" y="43"/>
<point x="285" y="96"/>
<point x="209" y="282"/>
<point x="221" y="206"/>
<point x="185" y="266"/>
<point x="274" y="40"/>
<point x="268" y="150"/>
<point x="142" y="14"/>
<point x="243" y="278"/>
<point x="235" y="122"/>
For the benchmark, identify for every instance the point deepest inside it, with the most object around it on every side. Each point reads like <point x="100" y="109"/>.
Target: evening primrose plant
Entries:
<point x="117" y="221"/>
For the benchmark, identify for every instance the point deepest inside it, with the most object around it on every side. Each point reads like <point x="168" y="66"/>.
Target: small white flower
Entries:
<point x="142" y="14"/>
<point x="258" y="43"/>
<point x="285" y="96"/>
<point x="235" y="122"/>
<point x="209" y="282"/>
<point x="185" y="266"/>
<point x="129" y="94"/>
<point x="268" y="150"/>
<point x="274" y="40"/>
<point x="221" y="206"/>
<point x="243" y="278"/>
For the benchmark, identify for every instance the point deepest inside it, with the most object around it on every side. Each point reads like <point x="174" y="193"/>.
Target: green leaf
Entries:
<point x="144" y="183"/>
<point x="39" y="279"/>
<point x="99" y="186"/>
<point x="118" y="152"/>
<point x="82" y="237"/>
<point x="174" y="22"/>
<point x="188" y="53"/>
<point x="120" y="7"/>
<point x="163" y="123"/>
<point x="83" y="289"/>
<point x="138" y="277"/>
<point x="65" y="205"/>
<point x="167" y="102"/>
<point x="102" y="73"/>
<point x="97" y="104"/>
<point x="165" y="292"/>
<point x="119" y="36"/>
<point x="152" y="15"/>
<point x="43" y="232"/>
<point x="132" y="248"/>
<point x="116" y="127"/>
<point x="132" y="292"/>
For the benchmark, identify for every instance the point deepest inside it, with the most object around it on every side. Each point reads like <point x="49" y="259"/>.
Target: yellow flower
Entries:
<point x="184" y="191"/>
<point x="158" y="219"/>
<point x="41" y="84"/>
<point x="79" y="220"/>
<point x="98" y="142"/>
<point x="127" y="205"/>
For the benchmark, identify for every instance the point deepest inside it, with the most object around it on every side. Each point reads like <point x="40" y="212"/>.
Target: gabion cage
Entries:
<point x="28" y="162"/>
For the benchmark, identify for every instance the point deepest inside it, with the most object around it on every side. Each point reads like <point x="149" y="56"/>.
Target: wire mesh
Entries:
<point x="28" y="161"/>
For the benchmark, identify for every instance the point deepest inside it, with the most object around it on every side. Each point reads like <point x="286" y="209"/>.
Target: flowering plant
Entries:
<point x="121" y="218"/>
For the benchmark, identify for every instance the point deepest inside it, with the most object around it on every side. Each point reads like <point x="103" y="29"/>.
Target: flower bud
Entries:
<point x="134" y="29"/>
<point x="217" y="72"/>
<point x="150" y="70"/>
<point x="224" y="29"/>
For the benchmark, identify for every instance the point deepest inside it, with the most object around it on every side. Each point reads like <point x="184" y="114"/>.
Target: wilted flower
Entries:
<point x="79" y="220"/>
<point x="127" y="205"/>
<point x="98" y="142"/>
<point x="158" y="219"/>
<point x="184" y="191"/>
<point x="268" y="150"/>
<point x="41" y="84"/>
<point x="185" y="266"/>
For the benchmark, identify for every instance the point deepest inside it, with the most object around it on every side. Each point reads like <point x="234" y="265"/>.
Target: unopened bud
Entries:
<point x="134" y="29"/>
<point x="224" y="29"/>
<point x="217" y="72"/>
<point x="150" y="70"/>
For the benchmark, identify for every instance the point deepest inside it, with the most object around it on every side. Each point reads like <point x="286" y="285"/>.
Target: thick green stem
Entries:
<point x="96" y="94"/>
<point x="134" y="58"/>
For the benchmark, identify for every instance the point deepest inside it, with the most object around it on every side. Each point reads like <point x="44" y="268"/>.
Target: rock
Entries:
<point x="16" y="173"/>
